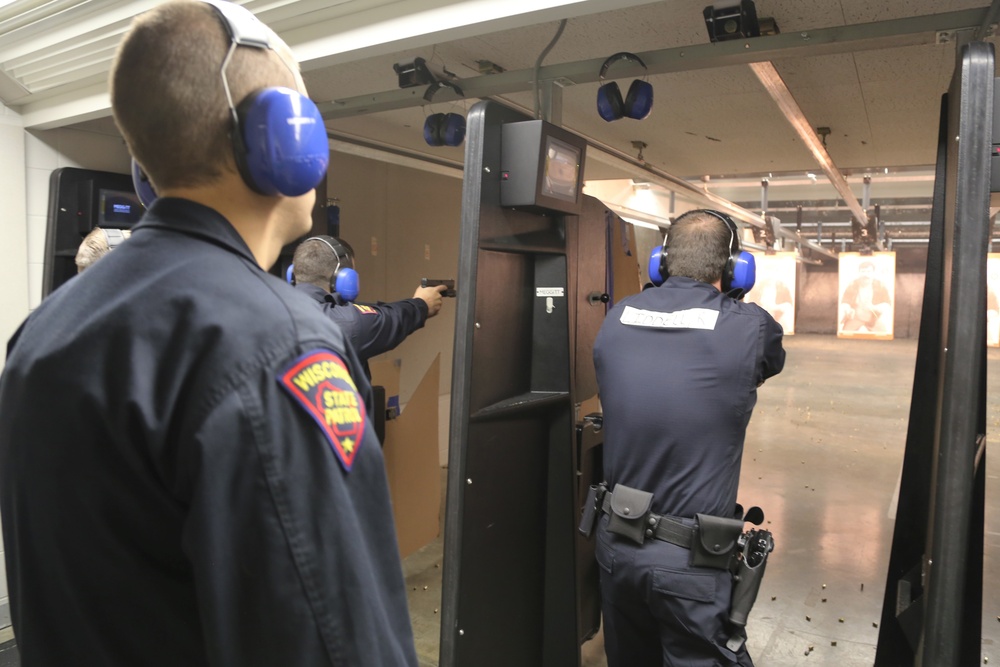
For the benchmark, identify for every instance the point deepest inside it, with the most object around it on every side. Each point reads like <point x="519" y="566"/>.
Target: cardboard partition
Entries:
<point x="411" y="456"/>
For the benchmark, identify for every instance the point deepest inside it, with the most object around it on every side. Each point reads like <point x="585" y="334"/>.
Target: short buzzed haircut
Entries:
<point x="167" y="95"/>
<point x="314" y="261"/>
<point x="93" y="247"/>
<point x="698" y="247"/>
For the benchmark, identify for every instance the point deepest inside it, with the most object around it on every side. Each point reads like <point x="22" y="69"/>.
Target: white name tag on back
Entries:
<point x="692" y="318"/>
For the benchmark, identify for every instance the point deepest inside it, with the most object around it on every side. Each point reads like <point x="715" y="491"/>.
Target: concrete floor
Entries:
<point x="823" y="457"/>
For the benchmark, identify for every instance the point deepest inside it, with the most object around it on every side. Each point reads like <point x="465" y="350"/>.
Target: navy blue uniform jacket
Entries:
<point x="371" y="328"/>
<point x="678" y="368"/>
<point x="168" y="498"/>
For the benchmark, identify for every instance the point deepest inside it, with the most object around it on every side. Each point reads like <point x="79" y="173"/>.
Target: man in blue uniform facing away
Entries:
<point x="371" y="328"/>
<point x="678" y="366"/>
<point x="188" y="475"/>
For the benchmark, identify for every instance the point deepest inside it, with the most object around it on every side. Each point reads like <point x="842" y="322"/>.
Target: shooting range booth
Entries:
<point x="520" y="584"/>
<point x="932" y="610"/>
<point x="79" y="201"/>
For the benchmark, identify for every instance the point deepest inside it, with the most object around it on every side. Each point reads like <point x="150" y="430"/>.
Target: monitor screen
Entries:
<point x="562" y="170"/>
<point x="118" y="208"/>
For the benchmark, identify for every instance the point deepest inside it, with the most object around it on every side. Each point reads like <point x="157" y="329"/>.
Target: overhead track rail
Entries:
<point x="824" y="41"/>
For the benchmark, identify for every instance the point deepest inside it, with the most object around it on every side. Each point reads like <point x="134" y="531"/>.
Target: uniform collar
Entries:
<point x="316" y="293"/>
<point x="193" y="219"/>
<point x="688" y="283"/>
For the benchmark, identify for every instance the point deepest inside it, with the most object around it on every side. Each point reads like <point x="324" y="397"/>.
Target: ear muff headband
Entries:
<point x="739" y="273"/>
<point x="638" y="101"/>
<point x="279" y="139"/>
<point x="343" y="281"/>
<point x="113" y="237"/>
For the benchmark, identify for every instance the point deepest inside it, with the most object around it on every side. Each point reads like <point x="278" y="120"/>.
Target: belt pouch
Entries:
<point x="629" y="511"/>
<point x="715" y="541"/>
<point x="591" y="510"/>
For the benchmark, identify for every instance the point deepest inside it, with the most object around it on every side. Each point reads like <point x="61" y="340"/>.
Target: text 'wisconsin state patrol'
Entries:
<point x="340" y="407"/>
<point x="312" y="375"/>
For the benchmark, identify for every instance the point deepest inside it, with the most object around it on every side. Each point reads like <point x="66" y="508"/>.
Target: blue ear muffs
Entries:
<point x="143" y="188"/>
<point x="744" y="274"/>
<point x="739" y="274"/>
<point x="453" y="132"/>
<point x="347" y="283"/>
<point x="638" y="101"/>
<point x="344" y="281"/>
<point x="657" y="267"/>
<point x="609" y="102"/>
<point x="279" y="138"/>
<point x="432" y="129"/>
<point x="280" y="142"/>
<point x="444" y="129"/>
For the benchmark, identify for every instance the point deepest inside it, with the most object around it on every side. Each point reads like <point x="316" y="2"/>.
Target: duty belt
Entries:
<point x="665" y="528"/>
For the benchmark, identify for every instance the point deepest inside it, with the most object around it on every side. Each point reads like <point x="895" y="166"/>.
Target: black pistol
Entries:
<point x="450" y="284"/>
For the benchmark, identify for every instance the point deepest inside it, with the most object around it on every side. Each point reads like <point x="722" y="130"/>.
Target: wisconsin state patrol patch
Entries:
<point x="320" y="383"/>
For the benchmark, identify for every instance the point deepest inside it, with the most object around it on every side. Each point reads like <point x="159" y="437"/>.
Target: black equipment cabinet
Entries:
<point x="78" y="199"/>
<point x="519" y="583"/>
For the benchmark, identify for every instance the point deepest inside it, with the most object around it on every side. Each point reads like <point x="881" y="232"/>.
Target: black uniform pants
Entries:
<point x="658" y="610"/>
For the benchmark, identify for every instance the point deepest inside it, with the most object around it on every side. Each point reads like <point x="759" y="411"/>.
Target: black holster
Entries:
<point x="749" y="572"/>
<point x="591" y="509"/>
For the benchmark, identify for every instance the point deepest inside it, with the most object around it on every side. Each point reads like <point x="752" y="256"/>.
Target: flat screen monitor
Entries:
<point x="118" y="208"/>
<point x="541" y="168"/>
<point x="561" y="177"/>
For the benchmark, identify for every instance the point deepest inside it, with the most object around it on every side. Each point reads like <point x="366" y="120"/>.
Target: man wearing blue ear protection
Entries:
<point x="678" y="366"/>
<point x="188" y="472"/>
<point x="322" y="267"/>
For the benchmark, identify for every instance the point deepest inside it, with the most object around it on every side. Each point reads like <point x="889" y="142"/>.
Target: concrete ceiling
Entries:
<point x="872" y="71"/>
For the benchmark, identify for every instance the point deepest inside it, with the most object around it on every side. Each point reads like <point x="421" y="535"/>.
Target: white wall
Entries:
<point x="46" y="151"/>
<point x="27" y="159"/>
<point x="14" y="249"/>
<point x="13" y="261"/>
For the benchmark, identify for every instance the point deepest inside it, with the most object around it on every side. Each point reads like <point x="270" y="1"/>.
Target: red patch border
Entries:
<point x="285" y="380"/>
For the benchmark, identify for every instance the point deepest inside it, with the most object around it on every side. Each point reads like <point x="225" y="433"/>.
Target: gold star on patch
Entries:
<point x="348" y="445"/>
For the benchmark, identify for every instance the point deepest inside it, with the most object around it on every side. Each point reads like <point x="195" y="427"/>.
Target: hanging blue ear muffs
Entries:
<point x="344" y="281"/>
<point x="432" y="129"/>
<point x="444" y="129"/>
<point x="453" y="132"/>
<point x="279" y="138"/>
<point x="739" y="273"/>
<point x="638" y="101"/>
